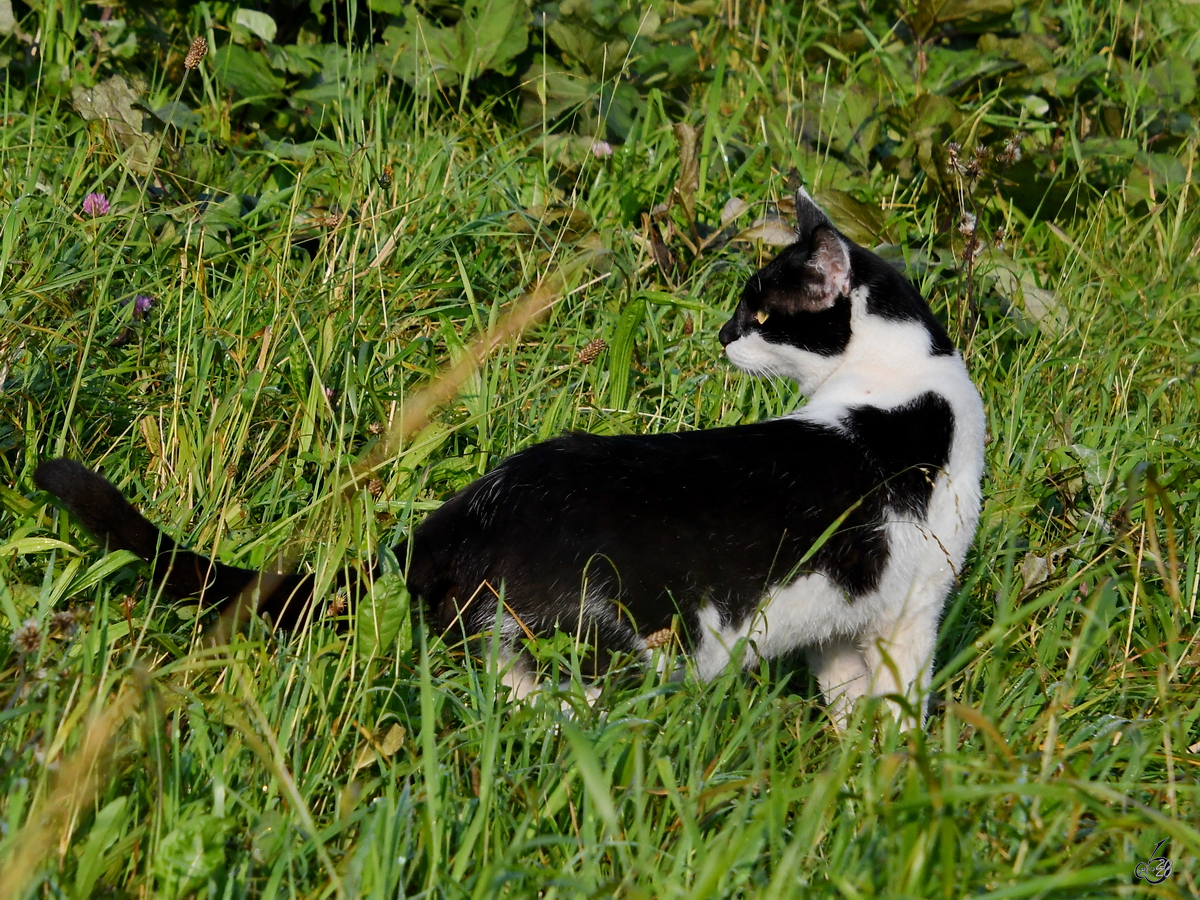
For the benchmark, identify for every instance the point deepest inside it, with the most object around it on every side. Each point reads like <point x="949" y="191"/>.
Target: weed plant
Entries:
<point x="235" y="332"/>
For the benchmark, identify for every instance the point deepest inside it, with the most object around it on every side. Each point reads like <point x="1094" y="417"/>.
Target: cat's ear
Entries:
<point x="829" y="262"/>
<point x="809" y="216"/>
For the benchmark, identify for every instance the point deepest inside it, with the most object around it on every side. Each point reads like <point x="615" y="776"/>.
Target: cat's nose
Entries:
<point x="728" y="333"/>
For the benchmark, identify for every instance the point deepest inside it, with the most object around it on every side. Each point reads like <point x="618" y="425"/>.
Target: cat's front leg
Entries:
<point x="518" y="677"/>
<point x="899" y="657"/>
<point x="842" y="673"/>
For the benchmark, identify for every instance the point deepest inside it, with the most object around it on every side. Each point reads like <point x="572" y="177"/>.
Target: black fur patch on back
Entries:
<point x="910" y="444"/>
<point x="668" y="524"/>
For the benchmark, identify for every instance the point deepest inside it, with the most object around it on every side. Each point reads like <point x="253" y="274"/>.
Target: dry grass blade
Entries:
<point x="689" y="172"/>
<point x="78" y="783"/>
<point x="267" y="748"/>
<point x="416" y="411"/>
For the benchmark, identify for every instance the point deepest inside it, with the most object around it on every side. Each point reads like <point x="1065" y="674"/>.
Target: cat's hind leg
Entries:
<point x="899" y="656"/>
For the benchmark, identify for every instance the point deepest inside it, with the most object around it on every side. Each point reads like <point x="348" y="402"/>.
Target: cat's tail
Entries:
<point x="175" y="570"/>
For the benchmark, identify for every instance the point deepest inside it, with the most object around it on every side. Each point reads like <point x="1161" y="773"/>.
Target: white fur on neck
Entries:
<point x="752" y="354"/>
<point x="881" y="643"/>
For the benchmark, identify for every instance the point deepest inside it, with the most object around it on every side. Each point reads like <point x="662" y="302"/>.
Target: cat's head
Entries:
<point x="798" y="314"/>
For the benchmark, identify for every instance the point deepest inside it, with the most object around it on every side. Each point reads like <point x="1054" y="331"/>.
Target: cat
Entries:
<point x="838" y="529"/>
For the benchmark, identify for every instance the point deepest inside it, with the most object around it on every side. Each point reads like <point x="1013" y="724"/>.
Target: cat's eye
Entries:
<point x="761" y="315"/>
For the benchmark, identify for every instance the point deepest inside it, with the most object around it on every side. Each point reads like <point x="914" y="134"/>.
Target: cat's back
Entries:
<point x="764" y="463"/>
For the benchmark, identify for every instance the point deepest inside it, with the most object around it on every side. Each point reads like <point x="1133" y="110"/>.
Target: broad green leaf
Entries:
<point x="1068" y="78"/>
<point x="620" y="354"/>
<point x="381" y="615"/>
<point x="15" y="503"/>
<point x="640" y="23"/>
<point x="929" y="111"/>
<point x="25" y="546"/>
<point x="597" y="56"/>
<point x="428" y="440"/>
<point x="295" y="59"/>
<point x="771" y="230"/>
<point x="930" y="14"/>
<point x="102" y="568"/>
<point x="247" y="72"/>
<point x="862" y="222"/>
<point x="112" y="102"/>
<point x="1173" y="79"/>
<point x="421" y="53"/>
<point x="668" y="64"/>
<point x="1152" y="176"/>
<point x="104" y="831"/>
<point x="1022" y="299"/>
<point x="550" y="90"/>
<point x="492" y="33"/>
<point x="619" y="108"/>
<point x="177" y="114"/>
<point x="1027" y="50"/>
<point x="258" y="23"/>
<point x="190" y="854"/>
<point x="285" y="149"/>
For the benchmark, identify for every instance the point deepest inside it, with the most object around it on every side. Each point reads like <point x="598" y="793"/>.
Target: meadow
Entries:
<point x="242" y="331"/>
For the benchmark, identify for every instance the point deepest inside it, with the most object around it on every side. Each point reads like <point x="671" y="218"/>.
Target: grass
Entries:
<point x="376" y="761"/>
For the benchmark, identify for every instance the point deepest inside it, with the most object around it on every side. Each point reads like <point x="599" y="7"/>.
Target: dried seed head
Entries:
<point x="28" y="637"/>
<point x="128" y="604"/>
<point x="375" y="487"/>
<point x="337" y="606"/>
<point x="333" y="219"/>
<point x="967" y="227"/>
<point x="953" y="162"/>
<point x="375" y="428"/>
<point x="592" y="350"/>
<point x="688" y="325"/>
<point x="998" y="237"/>
<point x="1011" y="153"/>
<point x="195" y="53"/>
<point x="659" y="638"/>
<point x="63" y="622"/>
<point x="385" y="177"/>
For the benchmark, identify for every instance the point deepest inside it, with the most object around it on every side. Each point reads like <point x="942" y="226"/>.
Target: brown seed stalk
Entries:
<point x="196" y="52"/>
<point x="592" y="350"/>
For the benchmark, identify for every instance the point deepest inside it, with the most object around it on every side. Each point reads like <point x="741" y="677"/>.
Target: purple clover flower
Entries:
<point x="96" y="204"/>
<point x="601" y="149"/>
<point x="142" y="304"/>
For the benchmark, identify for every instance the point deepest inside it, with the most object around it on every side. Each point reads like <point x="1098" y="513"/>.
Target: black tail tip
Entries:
<point x="61" y="476"/>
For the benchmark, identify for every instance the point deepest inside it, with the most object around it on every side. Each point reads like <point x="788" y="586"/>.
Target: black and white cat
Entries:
<point x="838" y="529"/>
